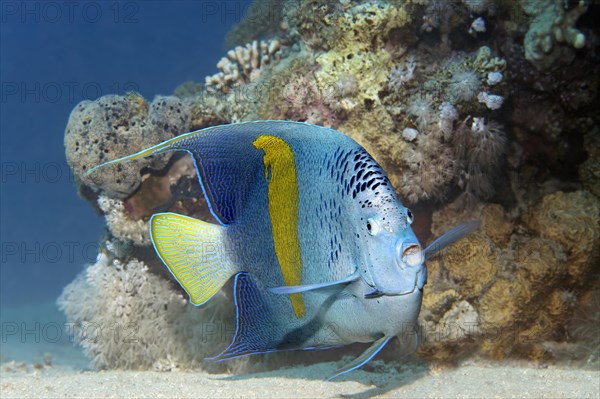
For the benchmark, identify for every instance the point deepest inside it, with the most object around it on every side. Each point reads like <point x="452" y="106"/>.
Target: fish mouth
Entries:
<point x="413" y="255"/>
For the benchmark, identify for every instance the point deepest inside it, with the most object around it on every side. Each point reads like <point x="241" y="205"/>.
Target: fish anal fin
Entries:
<point x="364" y="358"/>
<point x="255" y="329"/>
<point x="194" y="252"/>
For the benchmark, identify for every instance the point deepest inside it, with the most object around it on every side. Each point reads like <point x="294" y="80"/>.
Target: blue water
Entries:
<point x="52" y="56"/>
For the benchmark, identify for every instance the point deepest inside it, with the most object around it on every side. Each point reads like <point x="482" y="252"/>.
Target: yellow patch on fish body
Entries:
<point x="280" y="172"/>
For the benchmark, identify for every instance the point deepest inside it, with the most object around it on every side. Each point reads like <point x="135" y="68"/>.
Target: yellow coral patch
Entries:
<point x="280" y="172"/>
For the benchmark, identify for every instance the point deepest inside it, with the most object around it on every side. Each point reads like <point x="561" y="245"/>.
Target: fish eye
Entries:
<point x="372" y="227"/>
<point x="409" y="216"/>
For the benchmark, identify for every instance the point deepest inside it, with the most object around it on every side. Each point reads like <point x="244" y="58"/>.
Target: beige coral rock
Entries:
<point x="461" y="321"/>
<point x="125" y="317"/>
<point x="121" y="224"/>
<point x="471" y="264"/>
<point x="560" y="304"/>
<point x="437" y="302"/>
<point x="496" y="224"/>
<point x="503" y="304"/>
<point x="573" y="221"/>
<point x="540" y="263"/>
<point x="365" y="25"/>
<point x="452" y="215"/>
<point x="114" y="126"/>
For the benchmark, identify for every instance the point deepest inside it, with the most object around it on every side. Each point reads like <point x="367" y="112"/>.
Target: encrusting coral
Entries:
<point x="121" y="225"/>
<point x="126" y="317"/>
<point x="514" y="279"/>
<point x="114" y="126"/>
<point x="552" y="24"/>
<point x="572" y="220"/>
<point x="427" y="88"/>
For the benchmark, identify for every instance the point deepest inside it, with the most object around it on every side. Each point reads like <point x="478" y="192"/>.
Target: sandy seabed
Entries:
<point x="472" y="380"/>
<point x="43" y="369"/>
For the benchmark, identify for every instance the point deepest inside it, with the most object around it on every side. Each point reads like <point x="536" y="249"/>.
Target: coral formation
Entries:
<point x="479" y="149"/>
<point x="514" y="279"/>
<point x="121" y="225"/>
<point x="572" y="220"/>
<point x="126" y="317"/>
<point x="244" y="64"/>
<point x="115" y="126"/>
<point x="492" y="101"/>
<point x="448" y="115"/>
<point x="410" y="134"/>
<point x="429" y="88"/>
<point x="464" y="86"/>
<point x="553" y="23"/>
<point x="402" y="74"/>
<point x="421" y="109"/>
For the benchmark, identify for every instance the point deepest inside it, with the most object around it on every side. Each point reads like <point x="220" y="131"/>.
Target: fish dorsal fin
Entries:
<point x="226" y="164"/>
<point x="228" y="161"/>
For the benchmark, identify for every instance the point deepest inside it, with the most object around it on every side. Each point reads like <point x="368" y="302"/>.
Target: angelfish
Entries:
<point x="320" y="248"/>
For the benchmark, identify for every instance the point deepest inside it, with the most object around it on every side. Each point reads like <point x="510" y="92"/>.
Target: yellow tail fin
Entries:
<point x="195" y="253"/>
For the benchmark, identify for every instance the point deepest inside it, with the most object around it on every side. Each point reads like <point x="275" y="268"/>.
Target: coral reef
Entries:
<point x="123" y="316"/>
<point x="572" y="220"/>
<point x="402" y="74"/>
<point x="461" y="102"/>
<point x="115" y="126"/>
<point x="464" y="86"/>
<point x="583" y="328"/>
<point x="244" y="64"/>
<point x="121" y="225"/>
<point x="553" y="23"/>
<point x="521" y="283"/>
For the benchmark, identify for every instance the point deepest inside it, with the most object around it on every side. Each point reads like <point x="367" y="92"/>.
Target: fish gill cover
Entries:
<point x="456" y="100"/>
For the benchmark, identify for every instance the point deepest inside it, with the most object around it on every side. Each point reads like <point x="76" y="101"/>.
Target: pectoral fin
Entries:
<point x="374" y="294"/>
<point x="295" y="289"/>
<point x="364" y="358"/>
<point x="450" y="237"/>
